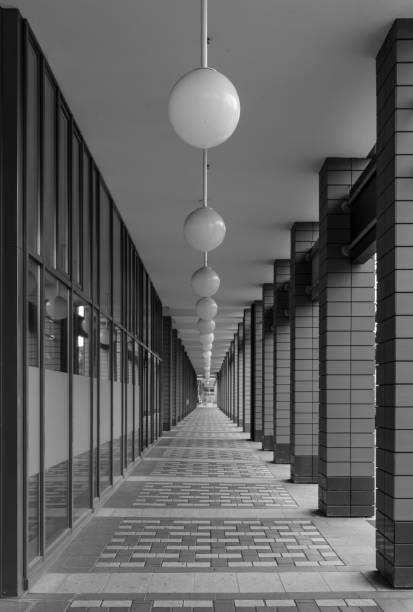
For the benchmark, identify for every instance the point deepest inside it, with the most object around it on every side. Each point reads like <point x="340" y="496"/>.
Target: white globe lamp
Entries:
<point x="205" y="327"/>
<point x="206" y="338"/>
<point x="205" y="282"/>
<point x="206" y="308"/>
<point x="204" y="229"/>
<point x="204" y="108"/>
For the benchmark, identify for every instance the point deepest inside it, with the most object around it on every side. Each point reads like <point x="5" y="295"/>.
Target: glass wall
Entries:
<point x="92" y="315"/>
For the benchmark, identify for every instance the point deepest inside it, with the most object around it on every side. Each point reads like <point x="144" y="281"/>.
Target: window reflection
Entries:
<point x="33" y="411"/>
<point x="82" y="332"/>
<point x="56" y="407"/>
<point x="105" y="403"/>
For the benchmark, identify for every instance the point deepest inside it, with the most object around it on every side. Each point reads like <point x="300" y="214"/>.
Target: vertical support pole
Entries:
<point x="240" y="374"/>
<point x="166" y="377"/>
<point x="394" y="234"/>
<point x="247" y="370"/>
<point x="282" y="357"/>
<point x="256" y="371"/>
<point x="347" y="318"/>
<point x="268" y="367"/>
<point x="11" y="279"/>
<point x="304" y="358"/>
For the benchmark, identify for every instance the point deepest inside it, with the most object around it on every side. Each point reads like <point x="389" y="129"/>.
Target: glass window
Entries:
<point x="105" y="404"/>
<point x="129" y="402"/>
<point x="86" y="231"/>
<point x="117" y="404"/>
<point x="82" y="333"/>
<point x="49" y="172"/>
<point x="63" y="199"/>
<point x="32" y="150"/>
<point x="117" y="269"/>
<point x="56" y="408"/>
<point x="76" y="209"/>
<point x="105" y="250"/>
<point x="33" y="412"/>
<point x="137" y="402"/>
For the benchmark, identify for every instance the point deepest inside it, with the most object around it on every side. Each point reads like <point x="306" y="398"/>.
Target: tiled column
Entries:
<point x="166" y="373"/>
<point x="268" y="366"/>
<point x="394" y="234"/>
<point x="174" y="376"/>
<point x="256" y="371"/>
<point x="347" y="360"/>
<point x="282" y="356"/>
<point x="247" y="370"/>
<point x="304" y="358"/>
<point x="240" y="374"/>
<point x="235" y="418"/>
<point x="231" y="380"/>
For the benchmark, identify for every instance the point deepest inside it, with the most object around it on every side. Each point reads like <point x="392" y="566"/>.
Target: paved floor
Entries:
<point x="207" y="521"/>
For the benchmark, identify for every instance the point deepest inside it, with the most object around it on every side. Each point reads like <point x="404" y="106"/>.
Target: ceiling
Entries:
<point x="305" y="74"/>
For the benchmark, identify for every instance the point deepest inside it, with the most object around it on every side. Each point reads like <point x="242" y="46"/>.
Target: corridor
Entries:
<point x="207" y="521"/>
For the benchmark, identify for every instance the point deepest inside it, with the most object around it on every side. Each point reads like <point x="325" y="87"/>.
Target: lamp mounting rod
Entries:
<point x="204" y="33"/>
<point x="205" y="177"/>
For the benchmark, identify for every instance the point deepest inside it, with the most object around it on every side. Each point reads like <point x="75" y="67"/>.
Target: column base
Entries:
<point x="257" y="436"/>
<point x="346" y="496"/>
<point x="282" y="453"/>
<point x="268" y="443"/>
<point x="247" y="428"/>
<point x="304" y="469"/>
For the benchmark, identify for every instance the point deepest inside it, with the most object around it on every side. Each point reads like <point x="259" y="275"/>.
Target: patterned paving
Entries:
<point x="203" y="525"/>
<point x="252" y="605"/>
<point x="183" y="543"/>
<point x="211" y="470"/>
<point x="208" y="495"/>
<point x="223" y="455"/>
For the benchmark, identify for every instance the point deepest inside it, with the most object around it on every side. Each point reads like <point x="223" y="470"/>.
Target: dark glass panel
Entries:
<point x="49" y="172"/>
<point x="32" y="151"/>
<point x="63" y="189"/>
<point x="105" y="404"/>
<point x="33" y="412"/>
<point x="56" y="408"/>
<point x="117" y="403"/>
<point x="105" y="250"/>
<point x="76" y="210"/>
<point x="117" y="269"/>
<point x="129" y="402"/>
<point x="86" y="237"/>
<point x="137" y="399"/>
<point x="82" y="333"/>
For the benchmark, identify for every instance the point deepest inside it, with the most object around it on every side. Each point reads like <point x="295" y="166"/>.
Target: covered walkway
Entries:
<point x="207" y="521"/>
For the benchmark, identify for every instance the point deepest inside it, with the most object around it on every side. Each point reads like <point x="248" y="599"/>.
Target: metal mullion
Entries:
<point x="41" y="273"/>
<point x="25" y="306"/>
<point x="71" y="426"/>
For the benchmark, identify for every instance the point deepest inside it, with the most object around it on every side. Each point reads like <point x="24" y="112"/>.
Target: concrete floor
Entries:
<point x="206" y="520"/>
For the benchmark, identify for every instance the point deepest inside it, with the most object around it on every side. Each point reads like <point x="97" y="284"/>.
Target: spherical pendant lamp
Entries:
<point x="207" y="347"/>
<point x="207" y="354"/>
<point x="56" y="308"/>
<point x="204" y="108"/>
<point x="205" y="281"/>
<point x="206" y="338"/>
<point x="205" y="327"/>
<point x="206" y="308"/>
<point x="204" y="229"/>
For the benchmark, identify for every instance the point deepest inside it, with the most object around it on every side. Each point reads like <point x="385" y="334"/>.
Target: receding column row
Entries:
<point x="325" y="321"/>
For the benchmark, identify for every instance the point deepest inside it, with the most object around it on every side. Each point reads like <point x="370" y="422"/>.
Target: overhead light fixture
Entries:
<point x="204" y="229"/>
<point x="204" y="110"/>
<point x="205" y="281"/>
<point x="205" y="327"/>
<point x="206" y="308"/>
<point x="204" y="106"/>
